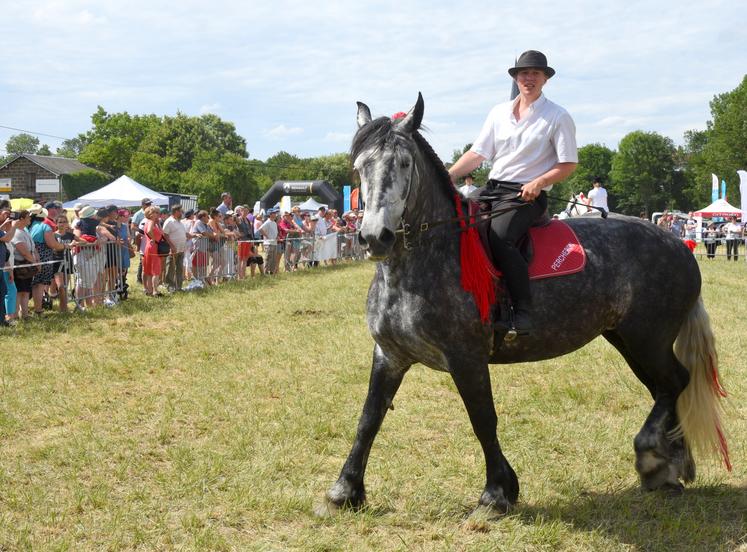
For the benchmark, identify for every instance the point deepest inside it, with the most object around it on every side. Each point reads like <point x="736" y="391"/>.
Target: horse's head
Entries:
<point x="385" y="155"/>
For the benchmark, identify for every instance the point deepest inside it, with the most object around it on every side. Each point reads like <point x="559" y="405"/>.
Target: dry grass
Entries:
<point x="216" y="420"/>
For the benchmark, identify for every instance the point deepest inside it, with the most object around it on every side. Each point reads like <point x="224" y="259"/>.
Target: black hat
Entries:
<point x="145" y="201"/>
<point x="532" y="59"/>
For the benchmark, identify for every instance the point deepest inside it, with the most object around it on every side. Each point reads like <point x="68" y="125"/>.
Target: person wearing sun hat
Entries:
<point x="531" y="144"/>
<point x="46" y="244"/>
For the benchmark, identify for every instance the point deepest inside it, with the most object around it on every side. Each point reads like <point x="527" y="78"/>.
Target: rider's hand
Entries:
<point x="531" y="190"/>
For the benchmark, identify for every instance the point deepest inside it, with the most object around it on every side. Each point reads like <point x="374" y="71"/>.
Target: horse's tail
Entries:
<point x="699" y="406"/>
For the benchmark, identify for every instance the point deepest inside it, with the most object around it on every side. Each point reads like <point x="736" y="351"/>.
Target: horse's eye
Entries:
<point x="405" y="164"/>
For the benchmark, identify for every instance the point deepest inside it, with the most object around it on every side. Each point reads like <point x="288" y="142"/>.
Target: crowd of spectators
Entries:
<point x="45" y="248"/>
<point x="731" y="233"/>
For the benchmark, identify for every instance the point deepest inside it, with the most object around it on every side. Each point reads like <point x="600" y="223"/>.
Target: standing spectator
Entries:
<point x="598" y="196"/>
<point x="201" y="233"/>
<point x="177" y="236"/>
<point x="76" y="216"/>
<point x="53" y="209"/>
<point x="45" y="245"/>
<point x="244" y="245"/>
<point x="7" y="231"/>
<point x="733" y="231"/>
<point x="87" y="260"/>
<point x="108" y="233"/>
<point x="711" y="239"/>
<point x="188" y="222"/>
<point x="288" y="235"/>
<point x="226" y="203"/>
<point x="127" y="249"/>
<point x="137" y="234"/>
<point x="25" y="253"/>
<point x="64" y="270"/>
<point x="321" y="226"/>
<point x="259" y="220"/>
<point x="230" y="235"/>
<point x="215" y="246"/>
<point x="151" y="259"/>
<point x="469" y="185"/>
<point x="691" y="227"/>
<point x="677" y="226"/>
<point x="269" y="233"/>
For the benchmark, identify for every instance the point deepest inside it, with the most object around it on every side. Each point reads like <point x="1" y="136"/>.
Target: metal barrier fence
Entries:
<point x="95" y="273"/>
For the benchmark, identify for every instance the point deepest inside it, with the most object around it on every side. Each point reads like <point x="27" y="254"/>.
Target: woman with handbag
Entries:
<point x="152" y="259"/>
<point x="45" y="245"/>
<point x="25" y="254"/>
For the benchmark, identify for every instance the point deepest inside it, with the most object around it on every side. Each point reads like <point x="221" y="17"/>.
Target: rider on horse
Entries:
<point x="531" y="143"/>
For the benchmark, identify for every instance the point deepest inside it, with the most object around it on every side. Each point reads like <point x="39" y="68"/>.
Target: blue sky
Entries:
<point x="288" y="73"/>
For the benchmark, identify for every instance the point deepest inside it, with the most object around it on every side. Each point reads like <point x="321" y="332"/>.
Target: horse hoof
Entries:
<point x="482" y="517"/>
<point x="326" y="509"/>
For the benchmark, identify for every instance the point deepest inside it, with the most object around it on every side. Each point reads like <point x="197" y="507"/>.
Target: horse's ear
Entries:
<point x="414" y="117"/>
<point x="364" y="114"/>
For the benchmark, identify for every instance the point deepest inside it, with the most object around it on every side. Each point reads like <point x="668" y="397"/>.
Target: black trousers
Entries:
<point x="711" y="249"/>
<point x="507" y="229"/>
<point x="732" y="248"/>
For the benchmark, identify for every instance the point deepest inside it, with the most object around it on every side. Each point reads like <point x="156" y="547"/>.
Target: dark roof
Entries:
<point x="55" y="165"/>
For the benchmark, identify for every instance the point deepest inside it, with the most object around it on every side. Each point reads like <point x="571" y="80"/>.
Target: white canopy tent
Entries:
<point x="123" y="192"/>
<point x="719" y="208"/>
<point x="311" y="205"/>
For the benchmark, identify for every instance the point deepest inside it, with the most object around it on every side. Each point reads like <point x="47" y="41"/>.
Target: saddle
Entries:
<point x="551" y="247"/>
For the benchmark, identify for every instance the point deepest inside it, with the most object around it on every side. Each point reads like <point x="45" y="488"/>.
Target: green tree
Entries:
<point x="71" y="147"/>
<point x="213" y="173"/>
<point x="642" y="175"/>
<point x="182" y="138"/>
<point x="156" y="172"/>
<point x="22" y="143"/>
<point x="337" y="169"/>
<point x="480" y="174"/>
<point x="594" y="161"/>
<point x="44" y="150"/>
<point x="722" y="148"/>
<point x="114" y="139"/>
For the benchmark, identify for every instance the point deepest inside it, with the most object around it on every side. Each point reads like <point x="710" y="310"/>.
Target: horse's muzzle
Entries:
<point x="379" y="246"/>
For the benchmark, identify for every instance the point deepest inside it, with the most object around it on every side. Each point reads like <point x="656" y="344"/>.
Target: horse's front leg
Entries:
<point x="472" y="379"/>
<point x="386" y="377"/>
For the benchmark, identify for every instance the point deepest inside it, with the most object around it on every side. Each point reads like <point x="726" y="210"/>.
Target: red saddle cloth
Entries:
<point x="556" y="251"/>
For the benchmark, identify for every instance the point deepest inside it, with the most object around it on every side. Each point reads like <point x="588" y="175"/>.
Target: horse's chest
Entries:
<point x="399" y="323"/>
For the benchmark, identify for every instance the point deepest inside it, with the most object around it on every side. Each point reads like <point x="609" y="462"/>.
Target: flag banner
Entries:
<point x="723" y="189"/>
<point x="714" y="187"/>
<point x="743" y="191"/>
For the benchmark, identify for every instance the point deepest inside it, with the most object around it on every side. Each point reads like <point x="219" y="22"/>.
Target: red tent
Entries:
<point x="719" y="208"/>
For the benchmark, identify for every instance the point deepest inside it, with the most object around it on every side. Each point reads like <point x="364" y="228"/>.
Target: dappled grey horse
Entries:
<point x="640" y="289"/>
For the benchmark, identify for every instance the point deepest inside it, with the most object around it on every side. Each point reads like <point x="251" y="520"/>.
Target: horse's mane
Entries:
<point x="382" y="131"/>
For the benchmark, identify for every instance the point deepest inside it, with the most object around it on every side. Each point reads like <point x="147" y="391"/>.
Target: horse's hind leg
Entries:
<point x="662" y="459"/>
<point x="386" y="377"/>
<point x="472" y="379"/>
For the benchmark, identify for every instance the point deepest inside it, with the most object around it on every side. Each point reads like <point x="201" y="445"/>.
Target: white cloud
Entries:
<point x="339" y="137"/>
<point x="210" y="108"/>
<point x="282" y="131"/>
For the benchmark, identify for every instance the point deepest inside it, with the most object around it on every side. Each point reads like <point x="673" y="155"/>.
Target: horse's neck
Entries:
<point x="426" y="206"/>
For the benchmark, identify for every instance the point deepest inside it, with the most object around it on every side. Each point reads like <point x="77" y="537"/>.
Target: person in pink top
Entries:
<point x="151" y="260"/>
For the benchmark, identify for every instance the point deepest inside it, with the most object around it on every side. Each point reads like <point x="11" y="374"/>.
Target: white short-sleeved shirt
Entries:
<point x="176" y="232"/>
<point x="598" y="197"/>
<point x="521" y="151"/>
<point x="269" y="231"/>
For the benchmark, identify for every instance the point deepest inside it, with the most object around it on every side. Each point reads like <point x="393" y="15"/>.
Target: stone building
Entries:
<point x="38" y="177"/>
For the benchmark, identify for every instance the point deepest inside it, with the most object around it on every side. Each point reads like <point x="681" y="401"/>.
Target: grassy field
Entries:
<point x="216" y="421"/>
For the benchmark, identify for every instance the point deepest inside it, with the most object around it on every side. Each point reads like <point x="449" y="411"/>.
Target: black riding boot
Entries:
<point x="516" y="277"/>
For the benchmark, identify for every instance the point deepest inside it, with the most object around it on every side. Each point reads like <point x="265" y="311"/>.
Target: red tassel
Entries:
<point x="478" y="274"/>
